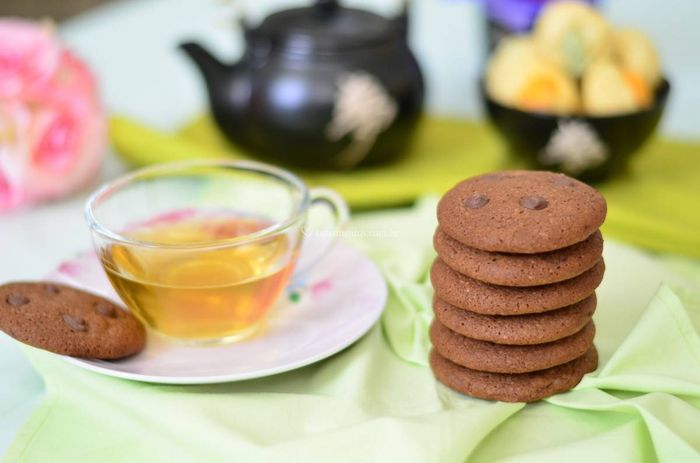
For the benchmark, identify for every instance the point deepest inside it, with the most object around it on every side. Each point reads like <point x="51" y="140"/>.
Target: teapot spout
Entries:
<point x="211" y="68"/>
<point x="402" y="19"/>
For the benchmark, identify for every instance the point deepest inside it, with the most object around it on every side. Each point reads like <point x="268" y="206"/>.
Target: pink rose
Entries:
<point x="15" y="121"/>
<point x="29" y="56"/>
<point x="52" y="126"/>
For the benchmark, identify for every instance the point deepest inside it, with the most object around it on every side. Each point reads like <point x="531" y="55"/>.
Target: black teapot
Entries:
<point x="322" y="86"/>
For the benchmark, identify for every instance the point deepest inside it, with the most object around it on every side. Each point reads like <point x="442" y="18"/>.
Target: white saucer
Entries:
<point x="341" y="300"/>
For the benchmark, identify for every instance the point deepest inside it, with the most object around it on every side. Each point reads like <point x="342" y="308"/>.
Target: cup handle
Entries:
<point x="324" y="197"/>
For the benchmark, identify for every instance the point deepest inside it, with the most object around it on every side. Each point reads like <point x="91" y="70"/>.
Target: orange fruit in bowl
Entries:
<point x="519" y="76"/>
<point x="609" y="89"/>
<point x="636" y="53"/>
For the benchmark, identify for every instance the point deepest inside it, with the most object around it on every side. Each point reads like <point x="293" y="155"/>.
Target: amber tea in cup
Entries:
<point x="203" y="250"/>
<point x="232" y="288"/>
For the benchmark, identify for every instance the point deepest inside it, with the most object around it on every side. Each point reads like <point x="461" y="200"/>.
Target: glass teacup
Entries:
<point x="201" y="251"/>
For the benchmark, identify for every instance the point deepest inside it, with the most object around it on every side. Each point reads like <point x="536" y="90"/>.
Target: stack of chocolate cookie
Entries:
<point x="519" y="259"/>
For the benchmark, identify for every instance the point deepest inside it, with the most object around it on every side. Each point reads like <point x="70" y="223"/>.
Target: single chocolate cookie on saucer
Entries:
<point x="521" y="387"/>
<point x="536" y="328"/>
<point x="521" y="212"/>
<point x="484" y="298"/>
<point x="519" y="269"/>
<point x="68" y="321"/>
<point x="501" y="358"/>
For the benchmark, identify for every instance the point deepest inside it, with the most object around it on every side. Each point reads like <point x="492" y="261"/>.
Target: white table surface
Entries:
<point x="131" y="47"/>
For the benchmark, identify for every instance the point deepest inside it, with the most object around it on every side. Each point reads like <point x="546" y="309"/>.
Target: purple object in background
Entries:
<point x="507" y="17"/>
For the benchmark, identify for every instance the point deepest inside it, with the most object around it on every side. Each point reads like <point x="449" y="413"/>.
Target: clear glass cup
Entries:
<point x="201" y="251"/>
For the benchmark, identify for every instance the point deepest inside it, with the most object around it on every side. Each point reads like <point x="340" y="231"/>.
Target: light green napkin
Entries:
<point x="368" y="404"/>
<point x="654" y="205"/>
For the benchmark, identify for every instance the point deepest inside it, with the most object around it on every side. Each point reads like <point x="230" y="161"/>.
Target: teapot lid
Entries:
<point x="326" y="26"/>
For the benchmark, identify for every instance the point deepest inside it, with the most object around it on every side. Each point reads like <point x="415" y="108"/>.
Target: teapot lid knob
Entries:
<point x="328" y="27"/>
<point x="326" y="7"/>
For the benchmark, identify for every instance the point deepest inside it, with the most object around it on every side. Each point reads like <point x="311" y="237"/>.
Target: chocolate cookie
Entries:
<point x="68" y="321"/>
<point x="521" y="211"/>
<point x="526" y="329"/>
<point x="522" y="387"/>
<point x="476" y="296"/>
<point x="519" y="269"/>
<point x="501" y="358"/>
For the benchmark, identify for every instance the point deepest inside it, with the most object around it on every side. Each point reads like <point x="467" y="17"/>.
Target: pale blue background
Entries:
<point x="130" y="45"/>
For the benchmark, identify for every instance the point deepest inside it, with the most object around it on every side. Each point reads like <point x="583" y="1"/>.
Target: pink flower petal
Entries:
<point x="321" y="287"/>
<point x="52" y="125"/>
<point x="29" y="56"/>
<point x="4" y="190"/>
<point x="57" y="147"/>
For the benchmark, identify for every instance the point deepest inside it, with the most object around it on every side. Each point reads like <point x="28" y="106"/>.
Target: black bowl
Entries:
<point x="588" y="148"/>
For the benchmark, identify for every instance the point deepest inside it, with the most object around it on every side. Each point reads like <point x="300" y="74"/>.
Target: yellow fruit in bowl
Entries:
<point x="636" y="53"/>
<point x="609" y="89"/>
<point x="519" y="76"/>
<point x="573" y="35"/>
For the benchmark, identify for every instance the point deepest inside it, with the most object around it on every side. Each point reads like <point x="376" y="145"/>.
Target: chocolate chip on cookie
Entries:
<point x="17" y="300"/>
<point x="68" y="321"/>
<point x="476" y="201"/>
<point x="51" y="288"/>
<point x="106" y="309"/>
<point x="75" y="323"/>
